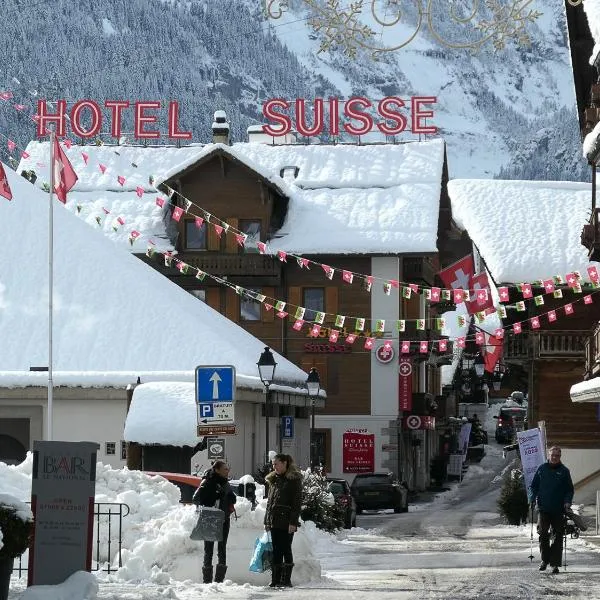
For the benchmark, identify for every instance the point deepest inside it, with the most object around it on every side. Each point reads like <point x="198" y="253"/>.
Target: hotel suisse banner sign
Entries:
<point x="358" y="454"/>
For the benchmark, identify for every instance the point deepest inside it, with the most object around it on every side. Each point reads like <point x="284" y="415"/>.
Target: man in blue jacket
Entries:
<point x="552" y="489"/>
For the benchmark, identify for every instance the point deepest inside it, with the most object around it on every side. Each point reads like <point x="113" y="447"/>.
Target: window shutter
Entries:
<point x="331" y="302"/>
<point x="267" y="315"/>
<point x="232" y="305"/>
<point x="294" y="299"/>
<point x="231" y="245"/>
<point x="213" y="298"/>
<point x="214" y="241"/>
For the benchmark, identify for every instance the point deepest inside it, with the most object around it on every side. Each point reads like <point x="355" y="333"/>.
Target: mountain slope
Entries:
<point x="212" y="55"/>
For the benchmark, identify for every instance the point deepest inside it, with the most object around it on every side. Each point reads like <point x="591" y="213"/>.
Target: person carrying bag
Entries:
<point x="214" y="491"/>
<point x="282" y="516"/>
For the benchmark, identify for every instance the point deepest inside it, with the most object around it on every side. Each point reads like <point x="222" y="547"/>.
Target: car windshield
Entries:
<point x="337" y="488"/>
<point x="373" y="479"/>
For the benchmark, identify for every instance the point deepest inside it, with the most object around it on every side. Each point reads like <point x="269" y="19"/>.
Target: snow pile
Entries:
<point x="80" y="586"/>
<point x="155" y="539"/>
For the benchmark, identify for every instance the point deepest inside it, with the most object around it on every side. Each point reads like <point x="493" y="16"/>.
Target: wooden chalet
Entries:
<point x="549" y="355"/>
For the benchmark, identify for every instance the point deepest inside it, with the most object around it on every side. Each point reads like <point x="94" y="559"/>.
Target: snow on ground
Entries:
<point x="439" y="550"/>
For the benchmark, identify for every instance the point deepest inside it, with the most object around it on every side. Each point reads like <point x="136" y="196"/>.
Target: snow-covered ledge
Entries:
<point x="586" y="391"/>
<point x="591" y="144"/>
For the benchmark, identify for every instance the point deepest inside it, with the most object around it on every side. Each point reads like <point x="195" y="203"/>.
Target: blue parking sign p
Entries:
<point x="287" y="427"/>
<point x="206" y="410"/>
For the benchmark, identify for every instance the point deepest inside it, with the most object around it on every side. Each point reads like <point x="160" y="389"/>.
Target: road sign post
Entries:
<point x="215" y="396"/>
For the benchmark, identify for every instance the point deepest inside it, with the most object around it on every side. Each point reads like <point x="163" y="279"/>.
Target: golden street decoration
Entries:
<point x="338" y="24"/>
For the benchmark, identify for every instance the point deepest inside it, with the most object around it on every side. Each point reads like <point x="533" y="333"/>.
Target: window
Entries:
<point x="252" y="230"/>
<point x="195" y="237"/>
<point x="313" y="301"/>
<point x="249" y="307"/>
<point x="200" y="294"/>
<point x="110" y="448"/>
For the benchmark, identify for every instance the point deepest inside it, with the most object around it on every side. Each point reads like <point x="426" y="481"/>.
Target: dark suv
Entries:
<point x="373" y="491"/>
<point x="510" y="419"/>
<point x="342" y="495"/>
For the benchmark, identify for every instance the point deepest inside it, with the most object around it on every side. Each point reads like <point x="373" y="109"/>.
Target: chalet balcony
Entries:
<point x="234" y="265"/>
<point x="592" y="353"/>
<point x="590" y="236"/>
<point x="545" y="345"/>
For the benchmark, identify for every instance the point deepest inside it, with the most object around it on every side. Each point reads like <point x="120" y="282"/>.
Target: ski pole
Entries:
<point x="565" y="536"/>
<point x="531" y="537"/>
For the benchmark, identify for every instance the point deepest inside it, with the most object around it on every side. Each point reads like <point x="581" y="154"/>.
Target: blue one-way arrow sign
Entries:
<point x="215" y="384"/>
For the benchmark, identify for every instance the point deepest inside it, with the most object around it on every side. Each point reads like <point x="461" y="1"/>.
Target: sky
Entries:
<point x="112" y="313"/>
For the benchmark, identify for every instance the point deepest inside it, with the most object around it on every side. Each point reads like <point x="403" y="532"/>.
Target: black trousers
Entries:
<point x="282" y="546"/>
<point x="209" y="548"/>
<point x="551" y="553"/>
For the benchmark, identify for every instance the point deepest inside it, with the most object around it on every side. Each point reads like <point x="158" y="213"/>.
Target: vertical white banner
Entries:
<point x="532" y="453"/>
<point x="463" y="440"/>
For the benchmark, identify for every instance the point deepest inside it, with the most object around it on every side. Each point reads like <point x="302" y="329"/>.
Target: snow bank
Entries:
<point x="155" y="537"/>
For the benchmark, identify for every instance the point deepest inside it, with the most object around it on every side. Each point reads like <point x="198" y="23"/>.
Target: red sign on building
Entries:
<point x="405" y="384"/>
<point x="358" y="454"/>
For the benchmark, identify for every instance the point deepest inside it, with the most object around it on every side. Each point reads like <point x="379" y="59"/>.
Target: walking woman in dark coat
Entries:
<point x="215" y="488"/>
<point x="282" y="516"/>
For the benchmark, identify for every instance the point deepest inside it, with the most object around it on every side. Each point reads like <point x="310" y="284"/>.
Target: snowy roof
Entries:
<point x="524" y="230"/>
<point x="380" y="198"/>
<point x="591" y="144"/>
<point x="586" y="391"/>
<point x="111" y="311"/>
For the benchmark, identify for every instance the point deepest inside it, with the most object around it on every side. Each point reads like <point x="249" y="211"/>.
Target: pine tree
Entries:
<point x="318" y="504"/>
<point x="513" y="503"/>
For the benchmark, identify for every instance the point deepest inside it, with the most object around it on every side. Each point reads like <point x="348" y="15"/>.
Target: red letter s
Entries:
<point x="283" y="120"/>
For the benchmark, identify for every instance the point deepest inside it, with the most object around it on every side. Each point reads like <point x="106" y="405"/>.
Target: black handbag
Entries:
<point x="209" y="527"/>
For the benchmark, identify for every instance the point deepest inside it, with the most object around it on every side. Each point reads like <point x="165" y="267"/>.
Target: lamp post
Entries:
<point x="266" y="371"/>
<point x="313" y="385"/>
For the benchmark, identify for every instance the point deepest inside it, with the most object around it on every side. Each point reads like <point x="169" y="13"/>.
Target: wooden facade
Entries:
<point x="234" y="193"/>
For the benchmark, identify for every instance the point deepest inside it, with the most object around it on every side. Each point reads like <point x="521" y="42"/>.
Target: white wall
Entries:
<point x="92" y="420"/>
<point x="384" y="377"/>
<point x="581" y="463"/>
<point x="246" y="450"/>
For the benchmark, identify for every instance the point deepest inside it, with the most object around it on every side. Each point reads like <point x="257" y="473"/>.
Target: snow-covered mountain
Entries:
<point x="496" y="110"/>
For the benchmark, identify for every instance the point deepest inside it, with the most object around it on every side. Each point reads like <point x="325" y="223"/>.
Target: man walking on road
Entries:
<point x="552" y="489"/>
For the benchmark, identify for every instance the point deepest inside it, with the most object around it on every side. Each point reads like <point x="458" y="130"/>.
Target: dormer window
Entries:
<point x="195" y="237"/>
<point x="252" y="229"/>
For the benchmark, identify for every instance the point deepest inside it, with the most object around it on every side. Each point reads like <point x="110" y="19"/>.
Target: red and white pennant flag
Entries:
<point x="64" y="174"/>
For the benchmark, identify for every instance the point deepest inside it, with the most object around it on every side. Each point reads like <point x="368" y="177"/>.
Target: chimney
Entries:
<point x="220" y="128"/>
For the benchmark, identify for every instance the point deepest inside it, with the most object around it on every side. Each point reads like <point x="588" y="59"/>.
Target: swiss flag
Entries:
<point x="493" y="352"/>
<point x="64" y="174"/>
<point x="4" y="187"/>
<point x="483" y="297"/>
<point x="459" y="274"/>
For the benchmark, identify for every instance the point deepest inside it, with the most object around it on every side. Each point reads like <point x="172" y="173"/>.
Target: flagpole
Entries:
<point x="50" y="290"/>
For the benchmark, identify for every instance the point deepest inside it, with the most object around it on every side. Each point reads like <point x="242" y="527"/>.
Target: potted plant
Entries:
<point x="16" y="529"/>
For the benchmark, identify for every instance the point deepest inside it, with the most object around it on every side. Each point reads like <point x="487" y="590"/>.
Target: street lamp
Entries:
<point x="313" y="385"/>
<point x="266" y="371"/>
<point x="479" y="366"/>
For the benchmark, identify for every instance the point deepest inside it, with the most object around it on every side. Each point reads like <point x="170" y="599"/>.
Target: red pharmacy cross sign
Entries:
<point x="405" y="384"/>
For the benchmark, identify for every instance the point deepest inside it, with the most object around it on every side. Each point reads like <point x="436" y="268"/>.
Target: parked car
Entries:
<point x="373" y="491"/>
<point x="343" y="496"/>
<point x="187" y="484"/>
<point x="510" y="419"/>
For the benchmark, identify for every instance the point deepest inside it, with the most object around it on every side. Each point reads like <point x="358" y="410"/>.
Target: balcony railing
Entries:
<point x="545" y="345"/>
<point x="257" y="265"/>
